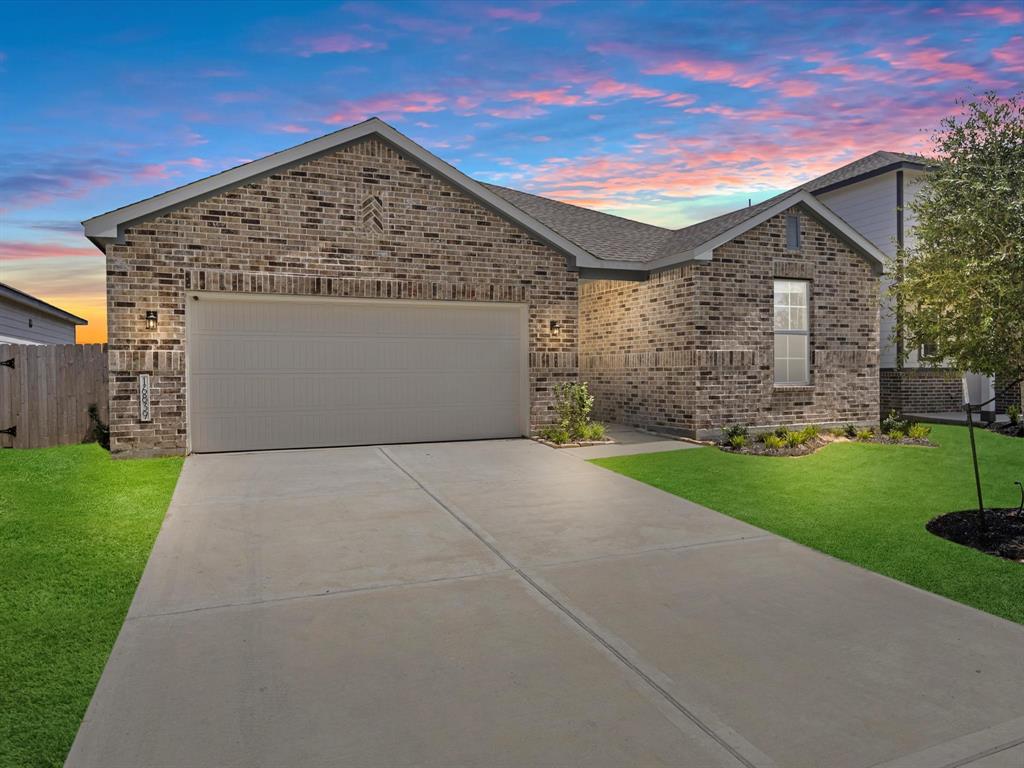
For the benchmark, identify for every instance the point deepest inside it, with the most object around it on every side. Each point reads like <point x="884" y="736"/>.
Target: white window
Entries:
<point x="792" y="333"/>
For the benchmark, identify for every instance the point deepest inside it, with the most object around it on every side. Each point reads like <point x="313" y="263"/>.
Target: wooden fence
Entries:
<point x="45" y="396"/>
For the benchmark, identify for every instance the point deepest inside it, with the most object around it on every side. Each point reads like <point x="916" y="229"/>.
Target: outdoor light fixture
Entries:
<point x="555" y="326"/>
<point x="151" y="319"/>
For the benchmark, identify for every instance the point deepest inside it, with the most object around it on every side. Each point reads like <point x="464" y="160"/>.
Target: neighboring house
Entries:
<point x="357" y="289"/>
<point x="24" y="319"/>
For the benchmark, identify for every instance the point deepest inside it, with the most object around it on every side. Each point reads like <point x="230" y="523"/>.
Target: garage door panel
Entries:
<point x="285" y="374"/>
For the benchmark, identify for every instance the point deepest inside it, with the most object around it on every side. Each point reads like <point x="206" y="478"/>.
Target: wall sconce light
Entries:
<point x="151" y="319"/>
<point x="556" y="327"/>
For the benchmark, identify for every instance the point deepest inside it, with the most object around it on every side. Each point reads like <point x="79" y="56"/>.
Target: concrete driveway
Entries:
<point x="503" y="604"/>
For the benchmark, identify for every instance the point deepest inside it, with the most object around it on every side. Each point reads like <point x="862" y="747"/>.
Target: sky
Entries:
<point x="664" y="112"/>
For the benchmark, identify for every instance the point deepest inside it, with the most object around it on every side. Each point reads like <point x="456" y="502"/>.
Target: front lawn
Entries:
<point x="76" y="528"/>
<point x="864" y="503"/>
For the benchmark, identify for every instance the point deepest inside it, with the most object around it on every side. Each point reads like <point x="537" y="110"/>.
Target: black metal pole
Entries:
<point x="974" y="458"/>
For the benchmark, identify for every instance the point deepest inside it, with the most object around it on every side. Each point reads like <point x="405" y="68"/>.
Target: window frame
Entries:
<point x="804" y="332"/>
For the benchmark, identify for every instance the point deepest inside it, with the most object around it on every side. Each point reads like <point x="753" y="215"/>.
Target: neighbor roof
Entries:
<point x="28" y="300"/>
<point x="591" y="240"/>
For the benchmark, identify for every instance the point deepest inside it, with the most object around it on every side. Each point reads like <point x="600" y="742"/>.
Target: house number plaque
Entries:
<point x="145" y="414"/>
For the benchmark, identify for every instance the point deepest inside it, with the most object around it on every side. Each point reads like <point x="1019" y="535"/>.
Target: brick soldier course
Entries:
<point x="685" y="347"/>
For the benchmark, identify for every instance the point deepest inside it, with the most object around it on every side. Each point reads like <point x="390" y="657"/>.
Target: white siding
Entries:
<point x="46" y="329"/>
<point x="870" y="207"/>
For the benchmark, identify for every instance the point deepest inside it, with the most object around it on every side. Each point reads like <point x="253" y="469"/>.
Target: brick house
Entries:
<point x="356" y="289"/>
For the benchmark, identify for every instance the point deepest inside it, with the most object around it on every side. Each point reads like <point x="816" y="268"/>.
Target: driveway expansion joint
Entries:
<point x="706" y="729"/>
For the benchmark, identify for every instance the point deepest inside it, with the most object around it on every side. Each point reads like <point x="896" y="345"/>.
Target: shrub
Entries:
<point x="735" y="430"/>
<point x="772" y="441"/>
<point x="811" y="431"/>
<point x="893" y="423"/>
<point x="865" y="434"/>
<point x="838" y="432"/>
<point x="851" y="431"/>
<point x="737" y="441"/>
<point x="895" y="434"/>
<point x="573" y="403"/>
<point x="98" y="431"/>
<point x="919" y="431"/>
<point x="794" y="439"/>
<point x="1014" y="413"/>
<point x="556" y="434"/>
<point x="592" y="431"/>
<point x="781" y="432"/>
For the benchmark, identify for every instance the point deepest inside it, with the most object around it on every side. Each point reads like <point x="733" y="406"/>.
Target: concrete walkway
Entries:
<point x="504" y="604"/>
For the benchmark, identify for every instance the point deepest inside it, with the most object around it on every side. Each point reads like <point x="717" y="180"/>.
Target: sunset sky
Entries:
<point x="664" y="112"/>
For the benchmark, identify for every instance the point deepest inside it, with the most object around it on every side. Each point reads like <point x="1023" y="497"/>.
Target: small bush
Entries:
<point x="772" y="441"/>
<point x="919" y="431"/>
<point x="734" y="430"/>
<point x="781" y="432"/>
<point x="865" y="434"/>
<point x="811" y="431"/>
<point x="851" y="431"/>
<point x="556" y="434"/>
<point x="893" y="423"/>
<point x="1014" y="413"/>
<point x="592" y="431"/>
<point x="98" y="431"/>
<point x="838" y="432"/>
<point x="737" y="441"/>
<point x="573" y="403"/>
<point x="895" y="434"/>
<point x="794" y="439"/>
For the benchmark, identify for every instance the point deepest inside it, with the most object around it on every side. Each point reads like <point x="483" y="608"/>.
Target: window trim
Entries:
<point x="806" y="333"/>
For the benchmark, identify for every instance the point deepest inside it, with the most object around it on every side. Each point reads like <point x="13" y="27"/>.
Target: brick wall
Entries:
<point x="921" y="390"/>
<point x="1012" y="395"/>
<point x="691" y="350"/>
<point x="362" y="221"/>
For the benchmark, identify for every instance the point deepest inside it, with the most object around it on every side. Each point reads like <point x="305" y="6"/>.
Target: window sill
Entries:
<point x="793" y="387"/>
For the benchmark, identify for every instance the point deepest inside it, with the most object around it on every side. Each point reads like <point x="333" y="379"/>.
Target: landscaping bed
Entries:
<point x="1002" y="533"/>
<point x="784" y="441"/>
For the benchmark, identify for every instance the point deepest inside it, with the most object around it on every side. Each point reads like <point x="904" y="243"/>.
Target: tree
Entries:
<point x="960" y="287"/>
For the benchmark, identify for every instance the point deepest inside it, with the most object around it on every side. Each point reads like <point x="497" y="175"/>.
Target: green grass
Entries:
<point x="76" y="528"/>
<point x="864" y="503"/>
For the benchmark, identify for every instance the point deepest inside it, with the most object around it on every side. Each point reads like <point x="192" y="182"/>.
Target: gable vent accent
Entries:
<point x="372" y="213"/>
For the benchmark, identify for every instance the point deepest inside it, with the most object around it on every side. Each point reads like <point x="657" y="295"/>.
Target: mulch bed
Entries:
<point x="755" y="447"/>
<point x="1002" y="536"/>
<point x="1010" y="430"/>
<point x="573" y="444"/>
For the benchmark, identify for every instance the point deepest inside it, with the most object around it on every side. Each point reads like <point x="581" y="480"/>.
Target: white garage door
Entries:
<point x="289" y="373"/>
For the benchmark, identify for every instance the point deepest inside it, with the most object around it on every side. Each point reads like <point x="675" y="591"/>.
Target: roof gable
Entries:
<point x="109" y="227"/>
<point x="12" y="294"/>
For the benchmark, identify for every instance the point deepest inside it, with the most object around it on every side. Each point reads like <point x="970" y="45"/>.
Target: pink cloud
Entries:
<point x="609" y="88"/>
<point x="547" y="97"/>
<point x="23" y="250"/>
<point x="678" y="99"/>
<point x="797" y="89"/>
<point x="541" y="139"/>
<point x="292" y="128"/>
<point x="933" y="61"/>
<point x="217" y="73"/>
<point x="338" y="43"/>
<point x="514" y="14"/>
<point x="393" y="106"/>
<point x="1011" y="55"/>
<point x="999" y="14"/>
<point x="519" y="112"/>
<point x="709" y="70"/>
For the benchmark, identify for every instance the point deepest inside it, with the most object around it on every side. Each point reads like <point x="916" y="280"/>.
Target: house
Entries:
<point x="24" y="319"/>
<point x="356" y="289"/>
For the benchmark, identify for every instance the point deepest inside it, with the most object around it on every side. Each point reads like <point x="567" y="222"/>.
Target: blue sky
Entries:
<point x="665" y="112"/>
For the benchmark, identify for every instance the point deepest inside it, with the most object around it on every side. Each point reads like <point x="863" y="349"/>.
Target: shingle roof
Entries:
<point x="614" y="238"/>
<point x="605" y="236"/>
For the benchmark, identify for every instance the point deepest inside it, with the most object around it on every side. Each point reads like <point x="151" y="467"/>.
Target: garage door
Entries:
<point x="285" y="373"/>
